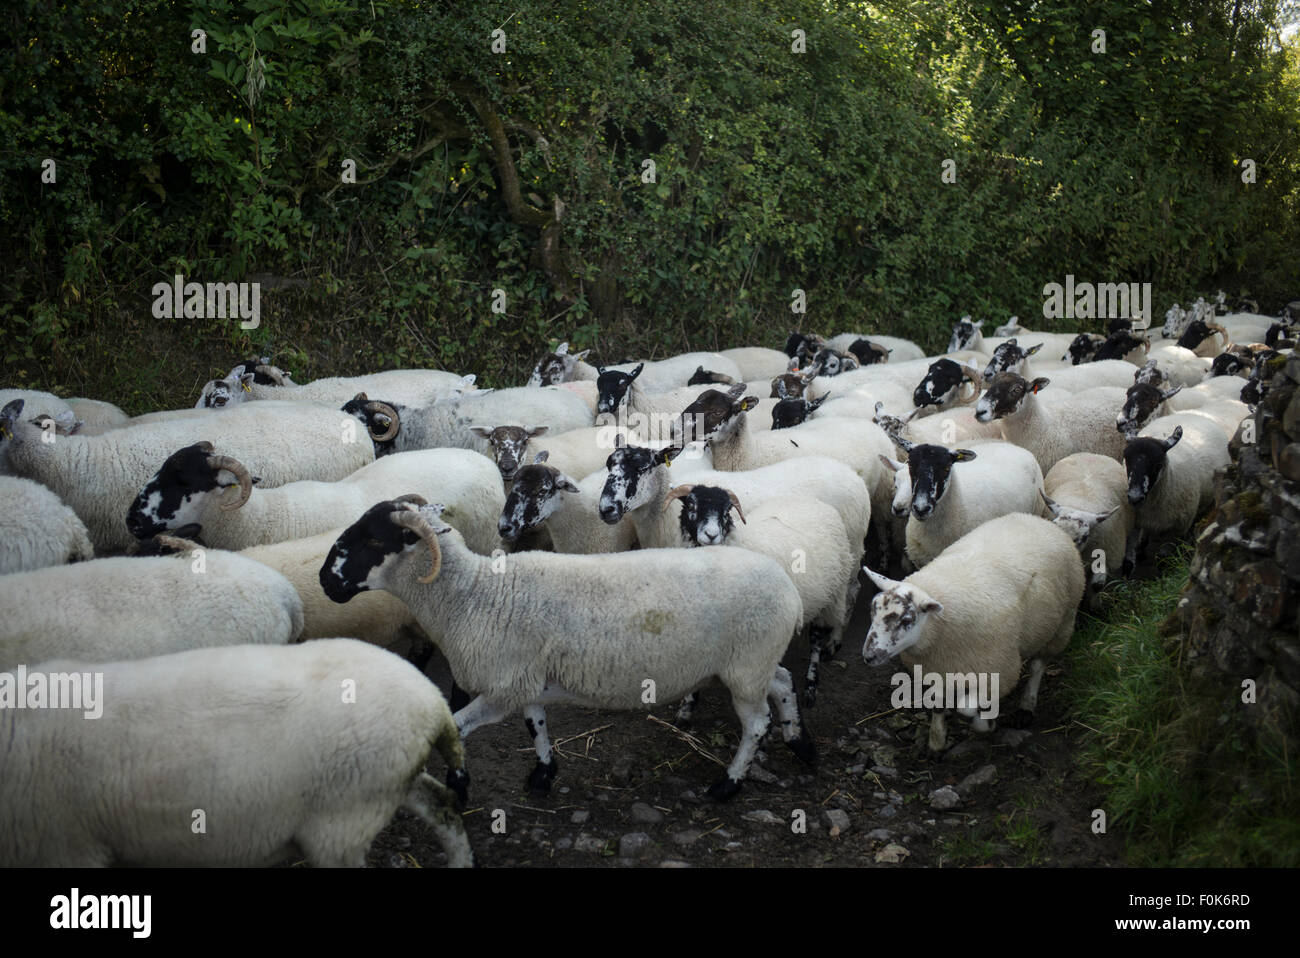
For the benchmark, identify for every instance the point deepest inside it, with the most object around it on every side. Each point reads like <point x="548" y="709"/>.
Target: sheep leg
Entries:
<point x="815" y="641"/>
<point x="686" y="710"/>
<point x="459" y="698"/>
<point x="452" y="750"/>
<point x="780" y="692"/>
<point x="938" y="738"/>
<point x="478" y="713"/>
<point x="1029" y="698"/>
<point x="435" y="804"/>
<point x="543" y="773"/>
<point x="754" y="722"/>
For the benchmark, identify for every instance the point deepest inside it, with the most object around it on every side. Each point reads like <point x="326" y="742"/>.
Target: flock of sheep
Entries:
<point x="607" y="536"/>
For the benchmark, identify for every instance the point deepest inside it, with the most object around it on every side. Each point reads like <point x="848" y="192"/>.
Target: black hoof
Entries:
<point x="804" y="748"/>
<point x="1022" y="718"/>
<point x="541" y="777"/>
<point x="459" y="697"/>
<point x="458" y="782"/>
<point x="724" y="789"/>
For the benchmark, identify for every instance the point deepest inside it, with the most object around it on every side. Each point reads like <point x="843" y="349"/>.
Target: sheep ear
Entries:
<point x="1039" y="383"/>
<point x="636" y="372"/>
<point x="893" y="465"/>
<point x="883" y="583"/>
<point x="1011" y="341"/>
<point x="1172" y="393"/>
<point x="962" y="455"/>
<point x="749" y="402"/>
<point x="1103" y="516"/>
<point x="1173" y="439"/>
<point x="1033" y="349"/>
<point x="564" y="482"/>
<point x="977" y="324"/>
<point x="581" y="355"/>
<point x="537" y="430"/>
<point x="541" y="457"/>
<point x="481" y="431"/>
<point x="561" y="349"/>
<point x="816" y="403"/>
<point x="929" y="606"/>
<point x="1052" y="506"/>
<point x="736" y="390"/>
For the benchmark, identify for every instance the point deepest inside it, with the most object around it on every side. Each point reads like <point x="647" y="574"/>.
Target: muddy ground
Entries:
<point x="631" y="792"/>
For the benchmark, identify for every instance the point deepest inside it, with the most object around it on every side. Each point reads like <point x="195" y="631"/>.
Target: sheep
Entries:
<point x="868" y="353"/>
<point x="1200" y="337"/>
<point x="666" y="374"/>
<point x="1083" y="349"/>
<point x="832" y="362"/>
<point x="410" y="387"/>
<point x="795" y="385"/>
<point x="99" y="476"/>
<point x="1005" y="592"/>
<point x="942" y="385"/>
<point x="1170" y="469"/>
<point x="757" y="362"/>
<point x="1075" y="379"/>
<point x="650" y="417"/>
<point x="1230" y="363"/>
<point x="1123" y="344"/>
<point x="900" y="350"/>
<point x="856" y="443"/>
<point x="563" y="628"/>
<point x="1009" y="357"/>
<point x="801" y="347"/>
<point x="1054" y="344"/>
<point x="557" y="367"/>
<point x="1214" y="390"/>
<point x="637" y="485"/>
<point x="1051" y="431"/>
<point x="197" y="485"/>
<point x="1142" y="403"/>
<point x="130" y="608"/>
<point x="946" y="429"/>
<point x="445" y="422"/>
<point x="805" y="536"/>
<point x="38" y="403"/>
<point x="573" y="522"/>
<point x="705" y="377"/>
<point x="1227" y="414"/>
<point x="95" y="414"/>
<point x="966" y="334"/>
<point x="793" y="412"/>
<point x="860" y="402"/>
<point x="37" y="529"/>
<point x="291" y="765"/>
<point x="579" y="452"/>
<point x="1086" y="495"/>
<point x="948" y="502"/>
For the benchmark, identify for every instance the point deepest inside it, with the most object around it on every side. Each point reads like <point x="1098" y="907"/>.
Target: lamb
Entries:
<point x="947" y="503"/>
<point x="189" y="488"/>
<point x="37" y="529"/>
<point x="573" y="522"/>
<point x="1086" y="495"/>
<point x="129" y="608"/>
<point x="1053" y="431"/>
<point x="900" y="350"/>
<point x="410" y="387"/>
<point x="805" y="536"/>
<point x="531" y="635"/>
<point x="1170" y="469"/>
<point x="298" y="767"/>
<point x="99" y="476"/>
<point x="446" y="421"/>
<point x="1005" y="592"/>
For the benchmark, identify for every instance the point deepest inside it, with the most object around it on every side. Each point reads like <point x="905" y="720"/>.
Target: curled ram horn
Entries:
<point x="273" y="372"/>
<point x="735" y="504"/>
<point x="238" y="470"/>
<point x="677" y="492"/>
<point x="177" y="543"/>
<point x="411" y="519"/>
<point x="383" y="409"/>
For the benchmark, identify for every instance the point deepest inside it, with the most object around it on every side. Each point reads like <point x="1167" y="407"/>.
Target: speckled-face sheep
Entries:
<point x="410" y="387"/>
<point x="557" y="367"/>
<point x="446" y="422"/>
<point x="195" y="485"/>
<point x="1123" y="344"/>
<point x="1010" y="357"/>
<point x="1005" y="592"/>
<point x="1087" y="496"/>
<point x="542" y="494"/>
<point x="1170" y="469"/>
<point x="944" y="384"/>
<point x="37" y="529"/>
<point x="805" y="536"/>
<point x="953" y="491"/>
<point x="833" y="362"/>
<point x="131" y="608"/>
<point x="531" y="635"/>
<point x="1083" y="349"/>
<point x="795" y="385"/>
<point x="900" y="350"/>
<point x="100" y="476"/>
<point x="579" y="452"/>
<point x="1142" y="403"/>
<point x="313" y="749"/>
<point x="868" y="353"/>
<point x="1083" y="422"/>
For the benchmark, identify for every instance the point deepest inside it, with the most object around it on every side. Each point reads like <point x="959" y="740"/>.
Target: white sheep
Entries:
<point x="94" y="413"/>
<point x="37" y="529"/>
<point x="1182" y="366"/>
<point x="410" y="387"/>
<point x="578" y="452"/>
<point x="901" y="350"/>
<point x="757" y="362"/>
<point x="130" y="608"/>
<point x="1085" y="422"/>
<point x="665" y="374"/>
<point x="553" y="628"/>
<point x="1087" y="496"/>
<point x="1227" y="414"/>
<point x="1005" y="592"/>
<point x="544" y="499"/>
<point x="805" y="536"/>
<point x="557" y="367"/>
<point x="1218" y="389"/>
<point x="1170" y="469"/>
<point x="287" y="751"/>
<point x="953" y="491"/>
<point x="196" y="485"/>
<point x="99" y="476"/>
